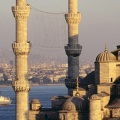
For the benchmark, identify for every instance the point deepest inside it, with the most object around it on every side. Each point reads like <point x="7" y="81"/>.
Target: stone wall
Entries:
<point x="95" y="108"/>
<point x="112" y="72"/>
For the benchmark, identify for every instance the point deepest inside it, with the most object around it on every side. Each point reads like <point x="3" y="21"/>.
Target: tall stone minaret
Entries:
<point x="73" y="49"/>
<point x="21" y="48"/>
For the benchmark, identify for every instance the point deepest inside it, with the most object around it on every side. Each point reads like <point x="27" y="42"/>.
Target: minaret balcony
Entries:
<point x="21" y="48"/>
<point x="21" y="11"/>
<point x="73" y="18"/>
<point x="73" y="50"/>
<point x="21" y="85"/>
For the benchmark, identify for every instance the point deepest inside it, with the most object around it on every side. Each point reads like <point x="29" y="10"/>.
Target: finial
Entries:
<point x="106" y="48"/>
<point x="77" y="87"/>
<point x="77" y="84"/>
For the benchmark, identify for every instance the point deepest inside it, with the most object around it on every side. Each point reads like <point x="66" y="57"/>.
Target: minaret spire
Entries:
<point x="77" y="88"/>
<point x="77" y="84"/>
<point x="73" y="49"/>
<point x="21" y="48"/>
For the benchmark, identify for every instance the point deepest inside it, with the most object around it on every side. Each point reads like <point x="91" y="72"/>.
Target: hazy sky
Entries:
<point x="100" y="23"/>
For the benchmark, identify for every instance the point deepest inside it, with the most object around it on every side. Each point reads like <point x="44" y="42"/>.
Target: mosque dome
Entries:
<point x="75" y="103"/>
<point x="35" y="101"/>
<point x="105" y="56"/>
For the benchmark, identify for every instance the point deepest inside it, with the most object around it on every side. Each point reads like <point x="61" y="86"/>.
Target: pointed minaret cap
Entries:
<point x="77" y="87"/>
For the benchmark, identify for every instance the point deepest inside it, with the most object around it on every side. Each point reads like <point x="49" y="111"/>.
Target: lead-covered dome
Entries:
<point x="105" y="56"/>
<point x="76" y="103"/>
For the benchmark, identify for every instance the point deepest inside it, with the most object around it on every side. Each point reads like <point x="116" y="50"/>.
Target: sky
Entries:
<point x="100" y="23"/>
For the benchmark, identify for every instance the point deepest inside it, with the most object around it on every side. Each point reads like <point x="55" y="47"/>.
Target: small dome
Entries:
<point x="75" y="103"/>
<point x="68" y="105"/>
<point x="105" y="57"/>
<point x="35" y="101"/>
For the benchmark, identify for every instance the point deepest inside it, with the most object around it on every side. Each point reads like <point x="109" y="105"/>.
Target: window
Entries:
<point x="111" y="79"/>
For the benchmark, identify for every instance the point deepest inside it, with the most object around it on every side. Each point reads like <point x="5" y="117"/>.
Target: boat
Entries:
<point x="5" y="100"/>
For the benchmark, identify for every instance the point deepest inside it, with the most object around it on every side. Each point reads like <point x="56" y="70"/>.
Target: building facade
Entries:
<point x="100" y="100"/>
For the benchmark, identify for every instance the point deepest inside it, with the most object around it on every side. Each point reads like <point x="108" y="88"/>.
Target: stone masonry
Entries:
<point x="73" y="49"/>
<point x="21" y="48"/>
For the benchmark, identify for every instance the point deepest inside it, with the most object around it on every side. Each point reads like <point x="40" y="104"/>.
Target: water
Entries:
<point x="43" y="93"/>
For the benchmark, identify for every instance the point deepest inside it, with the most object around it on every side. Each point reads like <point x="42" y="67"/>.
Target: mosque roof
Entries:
<point x="105" y="56"/>
<point x="117" y="80"/>
<point x="76" y="103"/>
<point x="114" y="103"/>
<point x="99" y="95"/>
<point x="118" y="49"/>
<point x="89" y="79"/>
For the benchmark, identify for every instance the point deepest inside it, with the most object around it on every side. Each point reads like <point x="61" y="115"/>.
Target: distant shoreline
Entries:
<point x="62" y="84"/>
<point x="5" y="85"/>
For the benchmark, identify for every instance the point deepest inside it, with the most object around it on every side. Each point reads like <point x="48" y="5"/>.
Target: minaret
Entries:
<point x="73" y="49"/>
<point x="21" y="48"/>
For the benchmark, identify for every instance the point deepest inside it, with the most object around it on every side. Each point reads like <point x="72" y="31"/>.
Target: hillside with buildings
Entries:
<point x="43" y="73"/>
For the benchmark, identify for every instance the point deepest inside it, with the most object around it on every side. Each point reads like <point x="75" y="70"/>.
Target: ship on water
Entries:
<point x="5" y="100"/>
